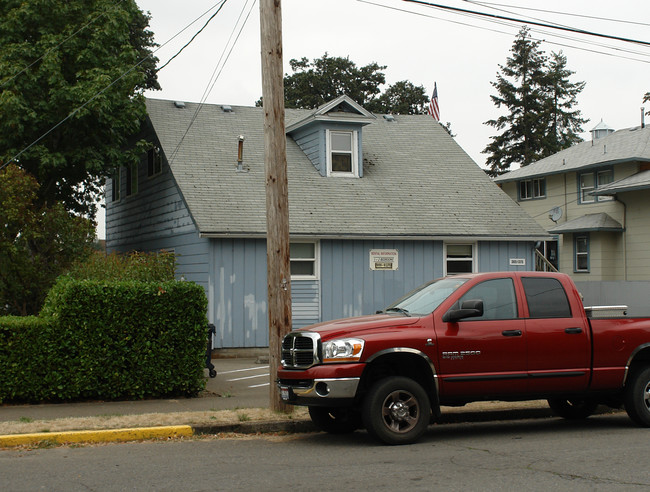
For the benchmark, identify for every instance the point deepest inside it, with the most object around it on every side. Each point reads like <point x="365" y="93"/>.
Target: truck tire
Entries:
<point x="637" y="397"/>
<point x="574" y="408"/>
<point x="335" y="420"/>
<point x="396" y="410"/>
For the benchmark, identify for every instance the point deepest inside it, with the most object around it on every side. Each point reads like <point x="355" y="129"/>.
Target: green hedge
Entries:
<point x="107" y="340"/>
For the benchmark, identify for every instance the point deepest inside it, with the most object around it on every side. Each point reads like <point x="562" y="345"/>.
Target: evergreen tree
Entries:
<point x="539" y="97"/>
<point x="564" y="121"/>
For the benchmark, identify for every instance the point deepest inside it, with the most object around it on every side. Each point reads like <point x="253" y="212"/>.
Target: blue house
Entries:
<point x="378" y="204"/>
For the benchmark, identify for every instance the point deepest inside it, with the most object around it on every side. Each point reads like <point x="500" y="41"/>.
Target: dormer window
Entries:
<point x="342" y="158"/>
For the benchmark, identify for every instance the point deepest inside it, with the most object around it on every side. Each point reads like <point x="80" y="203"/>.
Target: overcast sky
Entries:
<point x="421" y="44"/>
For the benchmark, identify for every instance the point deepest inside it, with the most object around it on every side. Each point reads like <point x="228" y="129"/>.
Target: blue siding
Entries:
<point x="350" y="288"/>
<point x="494" y="256"/>
<point x="309" y="140"/>
<point x="156" y="218"/>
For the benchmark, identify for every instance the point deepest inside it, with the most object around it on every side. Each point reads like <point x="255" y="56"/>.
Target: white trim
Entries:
<point x="463" y="243"/>
<point x="354" y="153"/>
<point x="316" y="275"/>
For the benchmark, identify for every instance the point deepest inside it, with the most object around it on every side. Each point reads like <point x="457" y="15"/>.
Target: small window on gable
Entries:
<point x="342" y="159"/>
<point x="154" y="162"/>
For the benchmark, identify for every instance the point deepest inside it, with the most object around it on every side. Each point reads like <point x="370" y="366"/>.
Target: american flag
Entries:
<point x="434" y="110"/>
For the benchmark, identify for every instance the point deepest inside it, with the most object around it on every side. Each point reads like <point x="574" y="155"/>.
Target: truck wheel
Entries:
<point x="574" y="408"/>
<point x="396" y="410"/>
<point x="637" y="397"/>
<point x="335" y="420"/>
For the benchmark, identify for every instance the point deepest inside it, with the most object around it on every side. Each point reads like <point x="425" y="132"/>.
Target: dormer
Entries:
<point x="331" y="137"/>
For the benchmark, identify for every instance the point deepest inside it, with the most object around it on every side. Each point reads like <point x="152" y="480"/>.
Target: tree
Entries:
<point x="564" y="121"/>
<point x="317" y="82"/>
<point x="539" y="97"/>
<point x="85" y="63"/>
<point x="37" y="243"/>
<point x="402" y="97"/>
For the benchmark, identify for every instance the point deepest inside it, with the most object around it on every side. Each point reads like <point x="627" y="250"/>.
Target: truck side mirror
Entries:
<point x="470" y="308"/>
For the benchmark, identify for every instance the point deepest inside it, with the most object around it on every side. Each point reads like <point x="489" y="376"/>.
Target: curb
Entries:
<point x="263" y="427"/>
<point x="95" y="436"/>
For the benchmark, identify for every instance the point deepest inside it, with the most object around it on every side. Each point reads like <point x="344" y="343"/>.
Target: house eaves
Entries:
<point x="627" y="145"/>
<point x="601" y="222"/>
<point x="356" y="114"/>
<point x="638" y="181"/>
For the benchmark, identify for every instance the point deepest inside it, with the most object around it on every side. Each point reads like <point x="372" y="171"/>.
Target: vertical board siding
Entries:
<point x="494" y="256"/>
<point x="350" y="288"/>
<point x="239" y="292"/>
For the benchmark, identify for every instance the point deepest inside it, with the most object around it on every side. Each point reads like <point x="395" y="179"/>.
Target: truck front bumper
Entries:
<point x="311" y="388"/>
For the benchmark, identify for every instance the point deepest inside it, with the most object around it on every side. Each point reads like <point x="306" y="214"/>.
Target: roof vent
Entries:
<point x="226" y="109"/>
<point x="179" y="104"/>
<point x="389" y="117"/>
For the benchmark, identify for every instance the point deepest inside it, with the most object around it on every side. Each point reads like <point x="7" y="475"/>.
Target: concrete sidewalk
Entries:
<point x="241" y="384"/>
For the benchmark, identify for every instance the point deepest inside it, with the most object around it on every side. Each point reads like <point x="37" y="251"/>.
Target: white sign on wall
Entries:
<point x="518" y="261"/>
<point x="383" y="259"/>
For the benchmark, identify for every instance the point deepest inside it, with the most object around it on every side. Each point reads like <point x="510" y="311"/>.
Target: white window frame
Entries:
<point x="583" y="191"/>
<point x="536" y="185"/>
<point x="354" y="153"/>
<point x="315" y="259"/>
<point x="474" y="256"/>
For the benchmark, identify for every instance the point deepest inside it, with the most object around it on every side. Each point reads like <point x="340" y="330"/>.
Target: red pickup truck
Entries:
<point x="508" y="336"/>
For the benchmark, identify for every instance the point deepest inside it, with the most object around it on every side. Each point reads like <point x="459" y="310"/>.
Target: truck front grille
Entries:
<point x="300" y="350"/>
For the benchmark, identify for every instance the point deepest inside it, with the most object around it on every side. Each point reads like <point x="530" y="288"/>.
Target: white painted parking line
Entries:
<point x="248" y="377"/>
<point x="242" y="370"/>
<point x="259" y="385"/>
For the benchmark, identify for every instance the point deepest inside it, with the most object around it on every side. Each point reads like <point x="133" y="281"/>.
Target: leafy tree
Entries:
<point x="37" y="243"/>
<point x="646" y="98"/>
<point x="83" y="62"/>
<point x="317" y="82"/>
<point x="402" y="97"/>
<point x="538" y="95"/>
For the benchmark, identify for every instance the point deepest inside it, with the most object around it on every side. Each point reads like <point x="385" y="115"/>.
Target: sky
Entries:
<point x="461" y="53"/>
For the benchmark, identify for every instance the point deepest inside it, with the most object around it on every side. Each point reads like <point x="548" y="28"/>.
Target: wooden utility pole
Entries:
<point x="277" y="202"/>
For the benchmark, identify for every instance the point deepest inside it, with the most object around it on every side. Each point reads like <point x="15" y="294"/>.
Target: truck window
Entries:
<point x="546" y="298"/>
<point x="498" y="296"/>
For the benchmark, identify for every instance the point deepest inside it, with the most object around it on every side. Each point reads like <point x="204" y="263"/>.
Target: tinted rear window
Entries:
<point x="546" y="298"/>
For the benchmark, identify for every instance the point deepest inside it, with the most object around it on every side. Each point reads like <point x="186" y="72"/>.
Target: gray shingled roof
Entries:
<point x="638" y="181"/>
<point x="631" y="144"/>
<point x="417" y="182"/>
<point x="589" y="223"/>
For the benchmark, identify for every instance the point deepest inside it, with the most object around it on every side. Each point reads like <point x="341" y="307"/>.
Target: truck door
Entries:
<point x="484" y="356"/>
<point x="558" y="339"/>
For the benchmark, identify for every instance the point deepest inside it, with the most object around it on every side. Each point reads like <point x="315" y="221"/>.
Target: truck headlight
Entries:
<point x="342" y="350"/>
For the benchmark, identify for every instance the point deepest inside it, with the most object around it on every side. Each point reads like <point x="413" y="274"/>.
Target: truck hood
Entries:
<point x="359" y="325"/>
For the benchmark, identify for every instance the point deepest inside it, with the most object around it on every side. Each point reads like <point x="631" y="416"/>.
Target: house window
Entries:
<point x="154" y="162"/>
<point x="592" y="181"/>
<point x="532" y="188"/>
<point x="459" y="258"/>
<point x="303" y="261"/>
<point x="581" y="253"/>
<point x="131" y="179"/>
<point x="115" y="185"/>
<point x="342" y="153"/>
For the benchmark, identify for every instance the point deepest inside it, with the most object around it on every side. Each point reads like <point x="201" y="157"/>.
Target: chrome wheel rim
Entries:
<point x="400" y="411"/>
<point x="646" y="396"/>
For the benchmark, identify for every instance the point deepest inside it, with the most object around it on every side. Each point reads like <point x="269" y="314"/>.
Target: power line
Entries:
<point x="193" y="37"/>
<point x="517" y="7"/>
<point x="213" y="77"/>
<point x="522" y="21"/>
